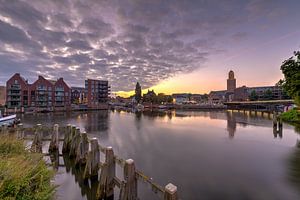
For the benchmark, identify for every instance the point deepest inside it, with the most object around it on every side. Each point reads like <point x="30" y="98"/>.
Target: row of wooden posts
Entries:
<point x="86" y="153"/>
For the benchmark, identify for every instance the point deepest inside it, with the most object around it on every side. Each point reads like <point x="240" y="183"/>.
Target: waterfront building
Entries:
<point x="198" y="98"/>
<point x="97" y="93"/>
<point x="41" y="95"/>
<point x="2" y="95"/>
<point x="241" y="94"/>
<point x="231" y="82"/>
<point x="245" y="93"/>
<point x="268" y="92"/>
<point x="217" y="97"/>
<point x="78" y="95"/>
<point x="17" y="90"/>
<point x="181" y="98"/>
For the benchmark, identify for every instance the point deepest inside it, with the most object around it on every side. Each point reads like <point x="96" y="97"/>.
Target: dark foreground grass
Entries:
<point x="23" y="175"/>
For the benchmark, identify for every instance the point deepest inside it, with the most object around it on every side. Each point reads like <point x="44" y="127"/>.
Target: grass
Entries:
<point x="23" y="175"/>
<point x="291" y="116"/>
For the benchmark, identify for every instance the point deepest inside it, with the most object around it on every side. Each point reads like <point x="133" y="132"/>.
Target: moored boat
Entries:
<point x="9" y="120"/>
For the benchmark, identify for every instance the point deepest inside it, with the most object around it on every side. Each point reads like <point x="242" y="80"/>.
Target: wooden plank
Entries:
<point x="129" y="188"/>
<point x="108" y="172"/>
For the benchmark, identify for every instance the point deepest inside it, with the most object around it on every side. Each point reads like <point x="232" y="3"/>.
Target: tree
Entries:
<point x="291" y="82"/>
<point x="253" y="96"/>
<point x="268" y="95"/>
<point x="138" y="92"/>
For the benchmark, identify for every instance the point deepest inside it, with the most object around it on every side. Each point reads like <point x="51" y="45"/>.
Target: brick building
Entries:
<point x="97" y="93"/>
<point x="41" y="95"/>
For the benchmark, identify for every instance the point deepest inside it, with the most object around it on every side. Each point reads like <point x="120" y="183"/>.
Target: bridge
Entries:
<point x="267" y="105"/>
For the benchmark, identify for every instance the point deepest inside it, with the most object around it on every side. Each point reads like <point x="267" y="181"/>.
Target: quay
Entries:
<point x="267" y="105"/>
<point x="84" y="154"/>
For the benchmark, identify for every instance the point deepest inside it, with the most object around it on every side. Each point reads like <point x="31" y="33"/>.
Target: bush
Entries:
<point x="292" y="116"/>
<point x="23" y="175"/>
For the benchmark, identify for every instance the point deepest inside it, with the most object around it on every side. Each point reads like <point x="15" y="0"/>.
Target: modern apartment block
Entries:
<point x="97" y="93"/>
<point x="43" y="94"/>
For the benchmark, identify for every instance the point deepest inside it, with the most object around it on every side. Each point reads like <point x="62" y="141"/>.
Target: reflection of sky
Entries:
<point x="194" y="151"/>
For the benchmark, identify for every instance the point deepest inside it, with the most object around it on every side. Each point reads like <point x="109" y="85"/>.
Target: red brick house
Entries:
<point x="41" y="95"/>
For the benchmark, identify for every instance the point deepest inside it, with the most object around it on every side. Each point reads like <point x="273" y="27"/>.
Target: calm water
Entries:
<point x="208" y="155"/>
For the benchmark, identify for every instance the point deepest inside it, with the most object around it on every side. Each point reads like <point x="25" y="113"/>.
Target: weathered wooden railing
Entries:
<point x="86" y="153"/>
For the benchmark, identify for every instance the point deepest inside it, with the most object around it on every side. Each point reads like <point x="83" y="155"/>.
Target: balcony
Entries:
<point x="59" y="89"/>
<point x="14" y="92"/>
<point x="15" y="87"/>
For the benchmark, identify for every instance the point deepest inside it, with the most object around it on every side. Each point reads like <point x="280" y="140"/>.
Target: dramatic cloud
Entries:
<point x="123" y="41"/>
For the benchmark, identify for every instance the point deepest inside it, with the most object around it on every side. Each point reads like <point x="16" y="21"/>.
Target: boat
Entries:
<point x="9" y="120"/>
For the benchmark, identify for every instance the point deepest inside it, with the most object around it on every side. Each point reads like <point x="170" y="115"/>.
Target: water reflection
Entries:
<point x="294" y="167"/>
<point x="190" y="149"/>
<point x="88" y="187"/>
<point x="231" y="124"/>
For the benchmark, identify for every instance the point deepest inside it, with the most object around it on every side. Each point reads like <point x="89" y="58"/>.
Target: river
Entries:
<point x="207" y="155"/>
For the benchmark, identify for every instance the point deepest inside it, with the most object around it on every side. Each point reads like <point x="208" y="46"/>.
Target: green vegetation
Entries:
<point x="253" y="96"/>
<point x="292" y="116"/>
<point x="291" y="82"/>
<point x="151" y="97"/>
<point x="23" y="175"/>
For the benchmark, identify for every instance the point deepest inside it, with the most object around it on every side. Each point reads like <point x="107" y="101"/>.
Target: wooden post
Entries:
<point x="54" y="144"/>
<point x="87" y="169"/>
<point x="83" y="149"/>
<point x="275" y="120"/>
<point x="74" y="143"/>
<point x="170" y="192"/>
<point x="37" y="143"/>
<point x="129" y="189"/>
<point x="95" y="157"/>
<point x="66" y="144"/>
<point x="108" y="172"/>
<point x="20" y="131"/>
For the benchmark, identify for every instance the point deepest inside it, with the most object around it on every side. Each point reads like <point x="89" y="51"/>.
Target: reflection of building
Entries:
<point x="2" y="95"/>
<point x="78" y="95"/>
<point x="97" y="122"/>
<point x="97" y="93"/>
<point x="43" y="94"/>
<point x="231" y="124"/>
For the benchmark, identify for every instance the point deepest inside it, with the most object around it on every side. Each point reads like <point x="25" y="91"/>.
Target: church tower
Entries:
<point x="231" y="82"/>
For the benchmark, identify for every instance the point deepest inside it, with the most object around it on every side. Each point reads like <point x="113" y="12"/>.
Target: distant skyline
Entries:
<point x="170" y="46"/>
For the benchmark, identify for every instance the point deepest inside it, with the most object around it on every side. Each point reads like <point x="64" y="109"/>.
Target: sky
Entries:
<point x="170" y="46"/>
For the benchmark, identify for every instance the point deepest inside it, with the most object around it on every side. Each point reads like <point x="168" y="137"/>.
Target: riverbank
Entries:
<point x="23" y="175"/>
<point x="291" y="116"/>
